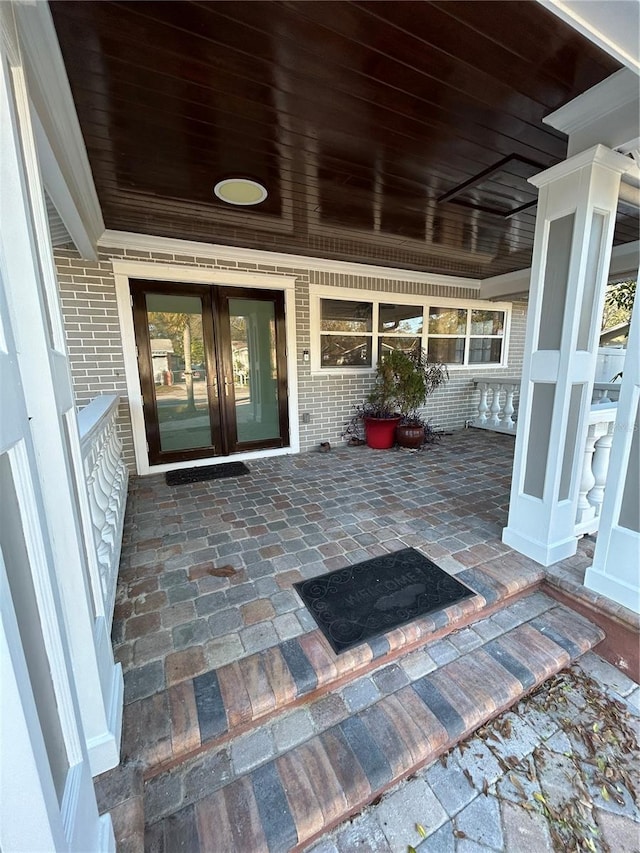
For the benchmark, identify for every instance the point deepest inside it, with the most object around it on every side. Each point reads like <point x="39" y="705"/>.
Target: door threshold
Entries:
<point x="220" y="460"/>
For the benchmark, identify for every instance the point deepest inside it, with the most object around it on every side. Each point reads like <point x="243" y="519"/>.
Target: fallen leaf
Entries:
<point x="516" y="783"/>
<point x="459" y="833"/>
<point x="421" y="830"/>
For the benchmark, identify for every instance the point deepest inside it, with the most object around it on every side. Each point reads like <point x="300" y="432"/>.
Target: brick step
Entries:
<point x="290" y="781"/>
<point x="200" y="713"/>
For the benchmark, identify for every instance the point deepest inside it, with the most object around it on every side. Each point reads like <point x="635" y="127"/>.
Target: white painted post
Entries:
<point x="616" y="561"/>
<point x="572" y="250"/>
<point x="44" y="371"/>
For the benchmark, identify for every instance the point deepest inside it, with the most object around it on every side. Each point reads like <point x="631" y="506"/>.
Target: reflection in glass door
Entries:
<point x="194" y="340"/>
<point x="252" y="325"/>
<point x="179" y="374"/>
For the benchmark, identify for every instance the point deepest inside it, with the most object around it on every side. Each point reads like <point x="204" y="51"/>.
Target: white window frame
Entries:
<point x="378" y="297"/>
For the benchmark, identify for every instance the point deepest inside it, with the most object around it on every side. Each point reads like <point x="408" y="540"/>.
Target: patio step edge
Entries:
<point x="203" y="712"/>
<point x="285" y="802"/>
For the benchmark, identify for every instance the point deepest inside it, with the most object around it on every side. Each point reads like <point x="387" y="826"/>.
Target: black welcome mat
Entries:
<point x="354" y="604"/>
<point x="206" y="472"/>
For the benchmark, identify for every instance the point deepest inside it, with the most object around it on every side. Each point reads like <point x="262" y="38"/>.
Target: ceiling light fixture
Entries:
<point x="240" y="191"/>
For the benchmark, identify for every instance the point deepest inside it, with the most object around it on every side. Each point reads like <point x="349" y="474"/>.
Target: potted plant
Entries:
<point x="415" y="378"/>
<point x="403" y="383"/>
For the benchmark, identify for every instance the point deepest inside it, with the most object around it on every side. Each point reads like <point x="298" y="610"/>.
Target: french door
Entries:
<point x="212" y="363"/>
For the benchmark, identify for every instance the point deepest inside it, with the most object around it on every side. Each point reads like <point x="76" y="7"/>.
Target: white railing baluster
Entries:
<point x="586" y="512"/>
<point x="595" y="467"/>
<point x="508" y="422"/>
<point x="483" y="406"/>
<point x="494" y="415"/>
<point x="600" y="466"/>
<point x="106" y="476"/>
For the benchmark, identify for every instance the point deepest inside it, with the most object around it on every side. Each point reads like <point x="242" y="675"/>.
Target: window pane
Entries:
<point x="446" y="350"/>
<point x="404" y="344"/>
<point x="485" y="350"/>
<point x="405" y="319"/>
<point x="345" y="351"/>
<point x="487" y="322"/>
<point x="177" y="354"/>
<point x="337" y="315"/>
<point x="447" y="321"/>
<point x="255" y="375"/>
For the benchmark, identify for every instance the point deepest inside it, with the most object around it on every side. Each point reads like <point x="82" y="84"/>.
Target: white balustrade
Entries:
<point x="106" y="476"/>
<point x="605" y="393"/>
<point x="595" y="467"/>
<point x="494" y="413"/>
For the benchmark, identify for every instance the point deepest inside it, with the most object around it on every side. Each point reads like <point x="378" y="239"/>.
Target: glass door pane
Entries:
<point x="179" y="372"/>
<point x="255" y="369"/>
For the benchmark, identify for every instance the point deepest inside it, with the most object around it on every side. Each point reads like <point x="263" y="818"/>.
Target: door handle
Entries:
<point x="226" y="386"/>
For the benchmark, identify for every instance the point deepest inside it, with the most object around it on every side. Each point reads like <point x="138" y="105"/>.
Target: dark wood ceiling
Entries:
<point x="375" y="126"/>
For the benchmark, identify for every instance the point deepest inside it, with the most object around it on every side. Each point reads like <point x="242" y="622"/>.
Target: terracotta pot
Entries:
<point x="410" y="436"/>
<point x="381" y="432"/>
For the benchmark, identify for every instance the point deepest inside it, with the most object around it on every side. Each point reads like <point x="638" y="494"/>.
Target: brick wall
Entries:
<point x="88" y="297"/>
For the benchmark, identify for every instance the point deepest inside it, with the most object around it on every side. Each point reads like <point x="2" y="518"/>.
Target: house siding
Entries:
<point x="88" y="298"/>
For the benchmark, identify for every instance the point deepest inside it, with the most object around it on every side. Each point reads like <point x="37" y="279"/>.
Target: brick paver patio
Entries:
<point x="218" y="651"/>
<point x="291" y="518"/>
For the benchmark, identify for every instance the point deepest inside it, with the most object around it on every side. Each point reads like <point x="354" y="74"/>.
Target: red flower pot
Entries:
<point x="381" y="432"/>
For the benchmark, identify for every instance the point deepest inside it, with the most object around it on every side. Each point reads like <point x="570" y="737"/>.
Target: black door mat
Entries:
<point x="354" y="604"/>
<point x="206" y="472"/>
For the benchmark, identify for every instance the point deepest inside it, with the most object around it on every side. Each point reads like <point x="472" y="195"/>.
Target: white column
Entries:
<point x="616" y="561"/>
<point x="572" y="249"/>
<point x="44" y="371"/>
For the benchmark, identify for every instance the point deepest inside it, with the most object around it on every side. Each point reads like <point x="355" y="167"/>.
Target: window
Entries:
<point x="355" y="333"/>
<point x="345" y="333"/>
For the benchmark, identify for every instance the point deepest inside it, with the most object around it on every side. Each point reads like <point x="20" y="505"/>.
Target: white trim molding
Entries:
<point x="124" y="271"/>
<point x="53" y="103"/>
<point x="232" y="254"/>
<point x="608" y="114"/>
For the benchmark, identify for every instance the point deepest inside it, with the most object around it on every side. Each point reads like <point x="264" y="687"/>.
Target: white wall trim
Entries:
<point x="198" y="275"/>
<point x="149" y="243"/>
<point x="53" y="102"/>
<point x="597" y="154"/>
<point x="509" y="284"/>
<point x="619" y="90"/>
<point x="124" y="271"/>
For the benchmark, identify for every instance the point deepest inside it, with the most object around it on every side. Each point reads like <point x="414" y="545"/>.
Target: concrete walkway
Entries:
<point x="559" y="772"/>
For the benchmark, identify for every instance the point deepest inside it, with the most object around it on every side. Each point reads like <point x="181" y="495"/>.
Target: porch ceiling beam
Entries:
<point x="64" y="163"/>
<point x="607" y="114"/>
